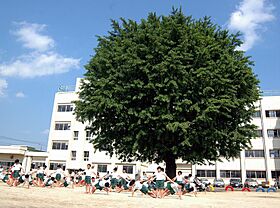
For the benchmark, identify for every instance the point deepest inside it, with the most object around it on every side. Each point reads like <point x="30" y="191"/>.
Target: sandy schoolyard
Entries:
<point x="71" y="198"/>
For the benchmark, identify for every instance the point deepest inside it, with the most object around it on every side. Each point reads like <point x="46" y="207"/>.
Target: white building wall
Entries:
<point x="243" y="164"/>
<point x="81" y="144"/>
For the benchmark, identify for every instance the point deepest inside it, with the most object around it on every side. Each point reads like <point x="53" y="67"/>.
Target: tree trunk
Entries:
<point x="170" y="166"/>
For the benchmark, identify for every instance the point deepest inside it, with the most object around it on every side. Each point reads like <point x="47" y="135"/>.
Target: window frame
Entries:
<point x="75" y="137"/>
<point x="255" y="173"/>
<point x="53" y="165"/>
<point x="230" y="173"/>
<point x="88" y="138"/>
<point x="275" y="155"/>
<point x="62" y="125"/>
<point x="86" y="156"/>
<point x="254" y="153"/>
<point x="73" y="156"/>
<point x="57" y="145"/>
<point x="276" y="133"/>
<point x="256" y="114"/>
<point x="128" y="169"/>
<point x="102" y="168"/>
<point x="62" y="108"/>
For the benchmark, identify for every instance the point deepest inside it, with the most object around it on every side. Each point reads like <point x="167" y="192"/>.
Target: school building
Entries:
<point x="28" y="157"/>
<point x="69" y="144"/>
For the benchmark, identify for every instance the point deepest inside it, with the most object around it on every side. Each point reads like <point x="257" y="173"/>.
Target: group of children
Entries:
<point x="15" y="176"/>
<point x="157" y="185"/>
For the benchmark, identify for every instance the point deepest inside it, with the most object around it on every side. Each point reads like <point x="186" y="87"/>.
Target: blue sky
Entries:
<point x="44" y="44"/>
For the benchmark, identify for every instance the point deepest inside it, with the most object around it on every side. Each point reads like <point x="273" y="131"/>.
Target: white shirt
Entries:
<point x="89" y="172"/>
<point x="115" y="175"/>
<point x="41" y="170"/>
<point x="102" y="183"/>
<point x="59" y="171"/>
<point x="16" y="167"/>
<point x="160" y="176"/>
<point x="137" y="186"/>
<point x="179" y="178"/>
<point x="191" y="179"/>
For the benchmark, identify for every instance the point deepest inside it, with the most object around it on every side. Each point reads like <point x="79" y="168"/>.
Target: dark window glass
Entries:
<point x="64" y="146"/>
<point x="76" y="135"/>
<point x="128" y="169"/>
<point x="53" y="166"/>
<point x="102" y="168"/>
<point x="274" y="153"/>
<point x="88" y="135"/>
<point x="275" y="174"/>
<point x="211" y="173"/>
<point x="259" y="133"/>
<point x="254" y="153"/>
<point x="60" y="145"/>
<point x="86" y="155"/>
<point x="200" y="173"/>
<point x="73" y="155"/>
<point x="230" y="173"/>
<point x="270" y="113"/>
<point x="62" y="126"/>
<point x="255" y="174"/>
<point x="273" y="133"/>
<point x="257" y="114"/>
<point x="65" y="108"/>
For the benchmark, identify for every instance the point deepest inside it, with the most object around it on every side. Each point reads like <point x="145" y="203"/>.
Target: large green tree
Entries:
<point x="169" y="87"/>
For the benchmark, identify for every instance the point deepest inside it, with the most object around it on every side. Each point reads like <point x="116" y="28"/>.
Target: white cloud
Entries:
<point x="20" y="95"/>
<point x="249" y="18"/>
<point x="3" y="86"/>
<point x="46" y="131"/>
<point x="42" y="60"/>
<point x="38" y="64"/>
<point x="30" y="35"/>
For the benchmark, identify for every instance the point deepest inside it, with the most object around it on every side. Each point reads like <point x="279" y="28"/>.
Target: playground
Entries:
<point x="16" y="197"/>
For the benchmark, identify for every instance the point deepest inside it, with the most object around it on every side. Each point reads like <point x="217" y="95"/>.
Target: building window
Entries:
<point x="88" y="135"/>
<point x="275" y="174"/>
<point x="254" y="153"/>
<point x="272" y="113"/>
<point x="275" y="153"/>
<point x="35" y="165"/>
<point x="102" y="168"/>
<point x="64" y="108"/>
<point x="230" y="173"/>
<point x="128" y="169"/>
<point x="273" y="133"/>
<point x="257" y="114"/>
<point x="76" y="135"/>
<point x="86" y="155"/>
<point x="259" y="133"/>
<point x="62" y="125"/>
<point x="255" y="174"/>
<point x="59" y="145"/>
<point x="73" y="155"/>
<point x="53" y="165"/>
<point x="206" y="173"/>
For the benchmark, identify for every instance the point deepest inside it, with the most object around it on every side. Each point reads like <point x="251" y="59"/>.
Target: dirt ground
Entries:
<point x="15" y="197"/>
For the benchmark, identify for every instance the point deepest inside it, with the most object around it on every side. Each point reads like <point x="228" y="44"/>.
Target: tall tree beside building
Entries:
<point x="169" y="87"/>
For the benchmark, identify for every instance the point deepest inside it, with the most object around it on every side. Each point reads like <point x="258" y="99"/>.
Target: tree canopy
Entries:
<point x="169" y="87"/>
